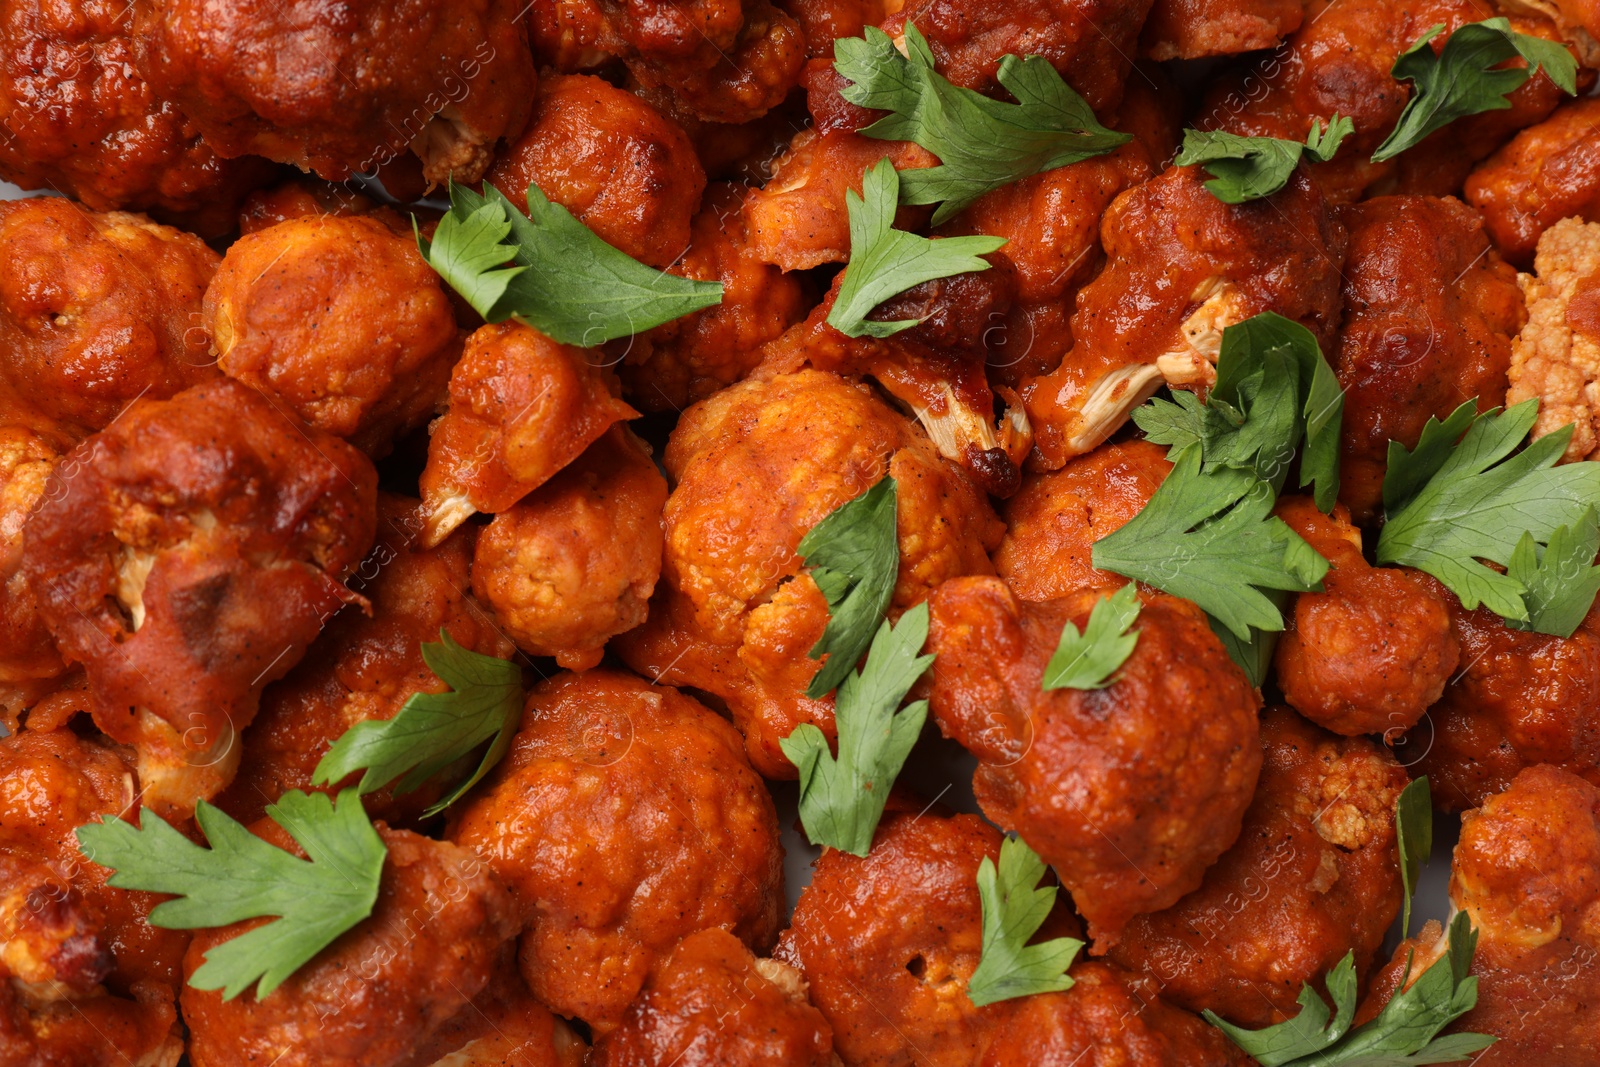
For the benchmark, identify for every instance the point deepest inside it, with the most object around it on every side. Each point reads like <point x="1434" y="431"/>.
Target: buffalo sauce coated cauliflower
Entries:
<point x="1556" y="357"/>
<point x="1313" y="875"/>
<point x="290" y="312"/>
<point x="1130" y="792"/>
<point x="1546" y="173"/>
<point x="1372" y="651"/>
<point x="521" y="408"/>
<point x="1524" y="873"/>
<point x="574" y="562"/>
<point x="365" y="665"/>
<point x="83" y="976"/>
<point x="623" y="818"/>
<point x="888" y="942"/>
<point x="382" y="988"/>
<point x="98" y="310"/>
<point x="712" y="1004"/>
<point x="757" y="466"/>
<point x="29" y="661"/>
<point x="1519" y="699"/>
<point x="1181" y="267"/>
<point x="1430" y="311"/>
<point x="186" y="556"/>
<point x="340" y="89"/>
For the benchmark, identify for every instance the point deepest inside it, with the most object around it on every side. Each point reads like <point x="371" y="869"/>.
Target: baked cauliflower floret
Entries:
<point x="574" y="562"/>
<point x="1546" y="173"/>
<point x="1181" y="266"/>
<point x="622" y="168"/>
<point x="28" y="656"/>
<point x="623" y="818"/>
<point x="1524" y="873"/>
<point x="97" y="310"/>
<point x="1090" y="42"/>
<point x="379" y="990"/>
<point x="84" y="978"/>
<point x="1130" y="791"/>
<point x="521" y="408"/>
<point x="341" y="321"/>
<point x="1314" y="875"/>
<point x="344" y="89"/>
<point x="1374" y="649"/>
<point x="888" y="942"/>
<point x="1190" y="29"/>
<point x="1519" y="699"/>
<point x="1430" y="311"/>
<point x="1341" y="60"/>
<point x="503" y="1026"/>
<point x="365" y="665"/>
<point x="1556" y="357"/>
<point x="1109" y="1018"/>
<point x="756" y="467"/>
<point x="688" y="359"/>
<point x="79" y="119"/>
<point x="186" y="556"/>
<point x="1057" y="516"/>
<point x="712" y="1004"/>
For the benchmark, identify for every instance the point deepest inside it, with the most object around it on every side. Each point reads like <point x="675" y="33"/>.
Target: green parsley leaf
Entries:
<point x="1449" y="507"/>
<point x="885" y="261"/>
<point x="1088" y="660"/>
<point x="1212" y="539"/>
<point x="1561" y="579"/>
<point x="1252" y="654"/>
<point x="854" y="556"/>
<point x="982" y="143"/>
<point x="1413" y="830"/>
<point x="1249" y="168"/>
<point x="1273" y="390"/>
<point x="1463" y="80"/>
<point x="433" y="730"/>
<point x="841" y="800"/>
<point x="242" y="877"/>
<point x="1013" y="910"/>
<point x="1403" y="1033"/>
<point x="565" y="282"/>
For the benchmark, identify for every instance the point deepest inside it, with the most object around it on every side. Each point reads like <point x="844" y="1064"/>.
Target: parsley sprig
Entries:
<point x="982" y="143"/>
<point x="885" y="262"/>
<point x="433" y="730"/>
<point x="1462" y="497"/>
<point x="1413" y="831"/>
<point x="1465" y="78"/>
<point x="1405" y="1032"/>
<point x="1273" y="390"/>
<point x="842" y="799"/>
<point x="564" y="281"/>
<point x="1087" y="660"/>
<point x="1561" y="578"/>
<point x="241" y="877"/>
<point x="854" y="556"/>
<point x="1014" y="908"/>
<point x="1211" y="537"/>
<point x="1249" y="168"/>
